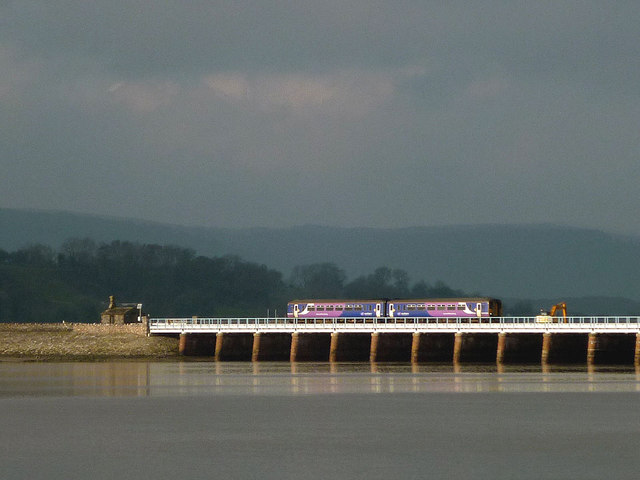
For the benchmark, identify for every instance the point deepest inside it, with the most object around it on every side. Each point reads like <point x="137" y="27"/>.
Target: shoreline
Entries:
<point x="86" y="358"/>
<point x="38" y="342"/>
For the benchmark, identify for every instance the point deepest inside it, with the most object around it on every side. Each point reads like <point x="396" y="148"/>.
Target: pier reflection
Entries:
<point x="303" y="378"/>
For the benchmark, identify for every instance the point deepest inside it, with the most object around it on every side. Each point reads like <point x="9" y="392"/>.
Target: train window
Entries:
<point x="431" y="308"/>
<point x="451" y="307"/>
<point x="461" y="307"/>
<point x="329" y="308"/>
<point x="411" y="307"/>
<point x="441" y="307"/>
<point x="348" y="308"/>
<point x="357" y="307"/>
<point x="339" y="308"/>
<point x="420" y="306"/>
<point x="311" y="308"/>
<point x="320" y="308"/>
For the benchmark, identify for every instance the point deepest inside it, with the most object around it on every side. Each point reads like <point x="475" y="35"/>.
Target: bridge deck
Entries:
<point x="599" y="324"/>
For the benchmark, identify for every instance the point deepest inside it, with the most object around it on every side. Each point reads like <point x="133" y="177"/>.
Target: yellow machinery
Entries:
<point x="550" y="316"/>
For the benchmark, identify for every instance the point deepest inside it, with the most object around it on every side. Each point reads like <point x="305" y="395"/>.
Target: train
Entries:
<point x="480" y="307"/>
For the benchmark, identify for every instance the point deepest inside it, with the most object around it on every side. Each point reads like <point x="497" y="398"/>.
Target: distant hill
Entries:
<point x="514" y="261"/>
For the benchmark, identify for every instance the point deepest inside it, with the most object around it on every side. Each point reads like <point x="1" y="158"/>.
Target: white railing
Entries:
<point x="596" y="324"/>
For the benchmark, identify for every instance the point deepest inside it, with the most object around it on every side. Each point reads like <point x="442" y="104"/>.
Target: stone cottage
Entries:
<point x="115" y="315"/>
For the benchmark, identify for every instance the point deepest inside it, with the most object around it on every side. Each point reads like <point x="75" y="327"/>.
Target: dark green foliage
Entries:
<point x="36" y="292"/>
<point x="326" y="280"/>
<point x="38" y="284"/>
<point x="382" y="283"/>
<point x="320" y="280"/>
<point x="508" y="261"/>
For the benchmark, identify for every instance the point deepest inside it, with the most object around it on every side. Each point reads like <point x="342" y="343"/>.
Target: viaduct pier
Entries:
<point x="591" y="340"/>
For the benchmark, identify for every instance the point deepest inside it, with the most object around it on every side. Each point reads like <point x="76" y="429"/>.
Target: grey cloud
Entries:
<point x="368" y="113"/>
<point x="169" y="36"/>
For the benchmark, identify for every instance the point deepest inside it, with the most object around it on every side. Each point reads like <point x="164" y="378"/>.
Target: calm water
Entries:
<point x="316" y="420"/>
<point x="277" y="378"/>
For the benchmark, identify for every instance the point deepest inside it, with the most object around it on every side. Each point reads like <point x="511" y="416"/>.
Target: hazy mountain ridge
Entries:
<point x="523" y="261"/>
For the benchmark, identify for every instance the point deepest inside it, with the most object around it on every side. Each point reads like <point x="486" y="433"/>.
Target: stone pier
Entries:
<point x="502" y="342"/>
<point x="218" y="351"/>
<point x="333" y="347"/>
<point x="373" y="350"/>
<point x="255" y="351"/>
<point x="592" y="343"/>
<point x="293" y="352"/>
<point x="416" y="347"/>
<point x="457" y="347"/>
<point x="546" y="347"/>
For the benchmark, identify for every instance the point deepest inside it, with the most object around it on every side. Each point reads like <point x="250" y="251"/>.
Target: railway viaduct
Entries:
<point x="591" y="340"/>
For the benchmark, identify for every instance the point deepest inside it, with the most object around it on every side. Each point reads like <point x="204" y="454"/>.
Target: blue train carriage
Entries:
<point x="314" y="308"/>
<point x="445" y="307"/>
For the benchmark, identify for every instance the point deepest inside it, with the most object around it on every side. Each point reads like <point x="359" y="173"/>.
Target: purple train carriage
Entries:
<point x="413" y="308"/>
<point x="445" y="307"/>
<point x="336" y="308"/>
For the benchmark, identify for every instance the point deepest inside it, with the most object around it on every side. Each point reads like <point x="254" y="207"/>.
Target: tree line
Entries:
<point x="73" y="283"/>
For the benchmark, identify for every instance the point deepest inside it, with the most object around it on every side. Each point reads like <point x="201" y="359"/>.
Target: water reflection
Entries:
<point x="76" y="379"/>
<point x="305" y="378"/>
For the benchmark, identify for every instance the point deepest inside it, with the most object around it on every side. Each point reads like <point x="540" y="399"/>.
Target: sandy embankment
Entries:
<point x="79" y="341"/>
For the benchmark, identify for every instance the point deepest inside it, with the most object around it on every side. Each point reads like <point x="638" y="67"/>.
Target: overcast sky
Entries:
<point x="334" y="112"/>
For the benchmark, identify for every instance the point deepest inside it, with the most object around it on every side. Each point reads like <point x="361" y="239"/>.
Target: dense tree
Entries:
<point x="319" y="280"/>
<point x="73" y="284"/>
<point x="34" y="255"/>
<point x="382" y="283"/>
<point x="78" y="251"/>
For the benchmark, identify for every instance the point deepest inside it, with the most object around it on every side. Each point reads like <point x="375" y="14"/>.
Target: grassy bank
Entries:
<point x="75" y="341"/>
